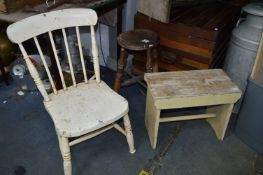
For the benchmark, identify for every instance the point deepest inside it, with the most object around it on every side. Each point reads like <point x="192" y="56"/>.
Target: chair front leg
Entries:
<point x="129" y="135"/>
<point x="65" y="151"/>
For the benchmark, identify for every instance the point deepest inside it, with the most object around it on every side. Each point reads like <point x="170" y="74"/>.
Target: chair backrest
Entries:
<point x="34" y="26"/>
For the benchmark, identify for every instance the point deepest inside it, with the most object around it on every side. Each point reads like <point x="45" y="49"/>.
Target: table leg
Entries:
<point x="121" y="67"/>
<point x="152" y="117"/>
<point x="220" y="122"/>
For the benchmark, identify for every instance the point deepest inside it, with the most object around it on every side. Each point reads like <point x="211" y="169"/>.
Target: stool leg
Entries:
<point x="149" y="67"/>
<point x="155" y="60"/>
<point x="220" y="122"/>
<point x="121" y="67"/>
<point x="152" y="117"/>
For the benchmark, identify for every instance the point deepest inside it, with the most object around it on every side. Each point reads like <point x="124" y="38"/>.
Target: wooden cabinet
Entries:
<point x="196" y="37"/>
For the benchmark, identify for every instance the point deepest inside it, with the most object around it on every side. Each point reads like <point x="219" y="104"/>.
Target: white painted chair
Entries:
<point x="85" y="109"/>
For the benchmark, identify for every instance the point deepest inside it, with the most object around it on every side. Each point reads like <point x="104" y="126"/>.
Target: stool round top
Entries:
<point x="138" y="39"/>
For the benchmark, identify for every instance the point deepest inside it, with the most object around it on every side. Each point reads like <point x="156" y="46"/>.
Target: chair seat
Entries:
<point x="97" y="106"/>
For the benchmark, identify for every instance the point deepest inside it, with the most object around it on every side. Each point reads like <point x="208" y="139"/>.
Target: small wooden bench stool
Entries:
<point x="137" y="40"/>
<point x="184" y="89"/>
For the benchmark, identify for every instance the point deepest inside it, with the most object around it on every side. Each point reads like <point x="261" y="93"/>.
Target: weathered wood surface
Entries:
<point x="220" y="122"/>
<point x="90" y="106"/>
<point x="50" y="21"/>
<point x="185" y="89"/>
<point x="139" y="39"/>
<point x="190" y="83"/>
<point x="152" y="119"/>
<point x="83" y="110"/>
<point x="95" y="54"/>
<point x="81" y="55"/>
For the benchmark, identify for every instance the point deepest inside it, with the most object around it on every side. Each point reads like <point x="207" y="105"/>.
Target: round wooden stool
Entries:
<point x="137" y="40"/>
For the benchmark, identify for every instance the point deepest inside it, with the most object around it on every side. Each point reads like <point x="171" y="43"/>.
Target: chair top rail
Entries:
<point x="42" y="23"/>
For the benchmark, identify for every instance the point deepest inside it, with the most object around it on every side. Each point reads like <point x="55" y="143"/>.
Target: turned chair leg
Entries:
<point x="65" y="151"/>
<point x="121" y="67"/>
<point x="129" y="135"/>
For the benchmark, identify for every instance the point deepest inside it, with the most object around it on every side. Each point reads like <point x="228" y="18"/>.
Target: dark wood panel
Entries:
<point x="172" y="57"/>
<point x="139" y="67"/>
<point x="172" y="30"/>
<point x="222" y="18"/>
<point x="206" y="53"/>
<point x="191" y="55"/>
<point x="196" y="39"/>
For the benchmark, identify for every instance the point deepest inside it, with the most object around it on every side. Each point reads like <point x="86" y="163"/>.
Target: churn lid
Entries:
<point x="254" y="9"/>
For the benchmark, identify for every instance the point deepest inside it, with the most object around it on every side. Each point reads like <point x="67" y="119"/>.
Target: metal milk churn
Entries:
<point x="243" y="46"/>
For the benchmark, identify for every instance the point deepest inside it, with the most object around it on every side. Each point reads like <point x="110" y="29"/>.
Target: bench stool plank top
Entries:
<point x="183" y="89"/>
<point x="175" y="87"/>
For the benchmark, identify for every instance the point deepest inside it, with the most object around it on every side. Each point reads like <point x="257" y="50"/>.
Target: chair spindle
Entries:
<point x="45" y="65"/>
<point x="93" y="77"/>
<point x="95" y="54"/>
<point x="69" y="57"/>
<point x="81" y="55"/>
<point x="57" y="60"/>
<point x="33" y="72"/>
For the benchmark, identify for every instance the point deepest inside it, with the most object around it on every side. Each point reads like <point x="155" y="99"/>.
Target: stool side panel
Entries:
<point x="220" y="122"/>
<point x="152" y="119"/>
